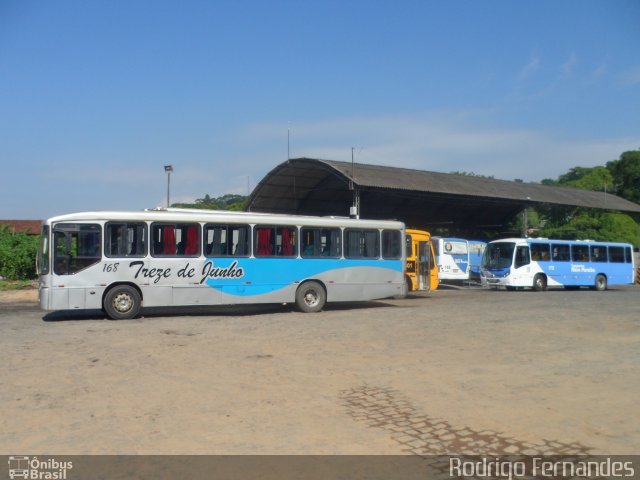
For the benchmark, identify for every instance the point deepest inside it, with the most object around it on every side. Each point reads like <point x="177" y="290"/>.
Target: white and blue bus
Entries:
<point x="452" y="258"/>
<point x="122" y="261"/>
<point x="538" y="263"/>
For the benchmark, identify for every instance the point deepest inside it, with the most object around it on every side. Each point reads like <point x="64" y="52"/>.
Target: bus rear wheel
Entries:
<point x="601" y="282"/>
<point x="310" y="297"/>
<point x="122" y="302"/>
<point x="539" y="283"/>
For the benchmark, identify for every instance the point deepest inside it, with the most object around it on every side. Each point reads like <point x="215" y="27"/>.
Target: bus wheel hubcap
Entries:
<point x="123" y="302"/>
<point x="311" y="298"/>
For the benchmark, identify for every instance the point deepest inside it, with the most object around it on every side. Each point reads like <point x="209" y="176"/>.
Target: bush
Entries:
<point x="17" y="255"/>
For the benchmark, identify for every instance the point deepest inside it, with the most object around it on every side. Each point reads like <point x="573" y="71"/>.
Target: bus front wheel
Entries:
<point x="122" y="302"/>
<point x="310" y="297"/>
<point x="539" y="283"/>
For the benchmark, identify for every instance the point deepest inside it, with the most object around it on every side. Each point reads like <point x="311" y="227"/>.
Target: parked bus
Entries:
<point x="122" y="261"/>
<point x="476" y="250"/>
<point x="538" y="263"/>
<point x="452" y="257"/>
<point x="422" y="271"/>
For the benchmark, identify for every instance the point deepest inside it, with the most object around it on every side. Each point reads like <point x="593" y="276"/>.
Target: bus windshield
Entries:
<point x="42" y="259"/>
<point x="498" y="255"/>
<point x="455" y="247"/>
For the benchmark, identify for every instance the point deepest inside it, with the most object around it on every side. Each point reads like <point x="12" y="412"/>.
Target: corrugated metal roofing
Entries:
<point x="420" y="198"/>
<point x="453" y="184"/>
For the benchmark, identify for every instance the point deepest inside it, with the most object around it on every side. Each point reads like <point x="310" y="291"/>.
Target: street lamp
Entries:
<point x="168" y="169"/>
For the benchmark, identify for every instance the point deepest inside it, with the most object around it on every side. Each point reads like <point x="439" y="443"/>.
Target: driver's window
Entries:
<point x="522" y="257"/>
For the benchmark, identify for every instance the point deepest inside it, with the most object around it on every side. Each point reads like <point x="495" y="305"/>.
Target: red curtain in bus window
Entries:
<point x="192" y="240"/>
<point x="168" y="240"/>
<point x="264" y="241"/>
<point x="287" y="248"/>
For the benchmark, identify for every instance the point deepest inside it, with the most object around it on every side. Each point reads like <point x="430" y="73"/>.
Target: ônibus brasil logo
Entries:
<point x="36" y="469"/>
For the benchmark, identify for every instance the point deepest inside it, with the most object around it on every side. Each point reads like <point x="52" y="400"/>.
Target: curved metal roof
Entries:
<point x="420" y="198"/>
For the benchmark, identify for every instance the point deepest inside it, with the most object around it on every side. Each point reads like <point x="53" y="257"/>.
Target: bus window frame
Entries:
<point x="575" y="253"/>
<point x="175" y="226"/>
<point x="398" y="244"/>
<point x="362" y="247"/>
<point x="526" y="260"/>
<point x="67" y="229"/>
<point x="247" y="243"/>
<point x="317" y="234"/>
<point x="538" y="248"/>
<point x="599" y="258"/>
<point x="618" y="257"/>
<point x="557" y="255"/>
<point x="145" y="238"/>
<point x="43" y="258"/>
<point x="276" y="231"/>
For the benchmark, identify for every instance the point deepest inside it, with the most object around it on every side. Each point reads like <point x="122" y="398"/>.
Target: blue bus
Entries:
<point x="476" y="250"/>
<point x="539" y="263"/>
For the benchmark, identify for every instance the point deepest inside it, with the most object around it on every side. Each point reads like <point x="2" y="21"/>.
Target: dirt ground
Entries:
<point x="453" y="371"/>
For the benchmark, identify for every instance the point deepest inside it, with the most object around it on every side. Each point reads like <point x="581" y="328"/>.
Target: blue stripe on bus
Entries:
<point x="265" y="275"/>
<point x="584" y="273"/>
<point x="461" y="260"/>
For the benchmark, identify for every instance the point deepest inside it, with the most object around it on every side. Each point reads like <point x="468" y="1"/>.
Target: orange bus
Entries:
<point x="422" y="271"/>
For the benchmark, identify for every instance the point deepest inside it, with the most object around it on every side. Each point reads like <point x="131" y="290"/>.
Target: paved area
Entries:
<point x="453" y="371"/>
<point x="422" y="434"/>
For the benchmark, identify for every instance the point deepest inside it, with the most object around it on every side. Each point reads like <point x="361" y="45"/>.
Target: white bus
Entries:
<point x="122" y="261"/>
<point x="538" y="263"/>
<point x="452" y="257"/>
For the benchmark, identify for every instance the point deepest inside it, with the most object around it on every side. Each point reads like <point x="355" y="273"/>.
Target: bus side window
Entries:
<point x="540" y="252"/>
<point x="76" y="247"/>
<point x="598" y="253"/>
<point x="522" y="257"/>
<point x="226" y="240"/>
<point x="239" y="240"/>
<point x="362" y="243"/>
<point x="320" y="242"/>
<point x="178" y="239"/>
<point x="276" y="241"/>
<point x="125" y="239"/>
<point x="408" y="245"/>
<point x="391" y="244"/>
<point x="580" y="253"/>
<point x="616" y="254"/>
<point x="560" y="252"/>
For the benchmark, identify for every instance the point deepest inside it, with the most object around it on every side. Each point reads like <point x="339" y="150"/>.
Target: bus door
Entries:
<point x="434" y="279"/>
<point x="76" y="258"/>
<point x="522" y="266"/>
<point x="425" y="266"/>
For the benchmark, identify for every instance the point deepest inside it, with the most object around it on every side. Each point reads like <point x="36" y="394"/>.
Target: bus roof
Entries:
<point x="450" y="239"/>
<point x="523" y="241"/>
<point x="196" y="215"/>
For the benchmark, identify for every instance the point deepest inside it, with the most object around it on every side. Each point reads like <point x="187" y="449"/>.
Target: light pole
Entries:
<point x="168" y="169"/>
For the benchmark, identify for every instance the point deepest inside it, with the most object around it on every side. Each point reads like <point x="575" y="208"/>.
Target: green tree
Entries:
<point x="229" y="201"/>
<point x="582" y="223"/>
<point x="588" y="224"/>
<point x="626" y="175"/>
<point x="595" y="178"/>
<point x="17" y="255"/>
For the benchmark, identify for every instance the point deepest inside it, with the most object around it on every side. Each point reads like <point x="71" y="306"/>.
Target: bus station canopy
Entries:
<point x="422" y="199"/>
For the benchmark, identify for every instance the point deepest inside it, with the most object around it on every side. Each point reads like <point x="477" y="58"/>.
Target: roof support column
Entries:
<point x="525" y="222"/>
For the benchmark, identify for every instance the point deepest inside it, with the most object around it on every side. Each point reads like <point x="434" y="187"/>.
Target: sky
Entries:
<point x="97" y="96"/>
